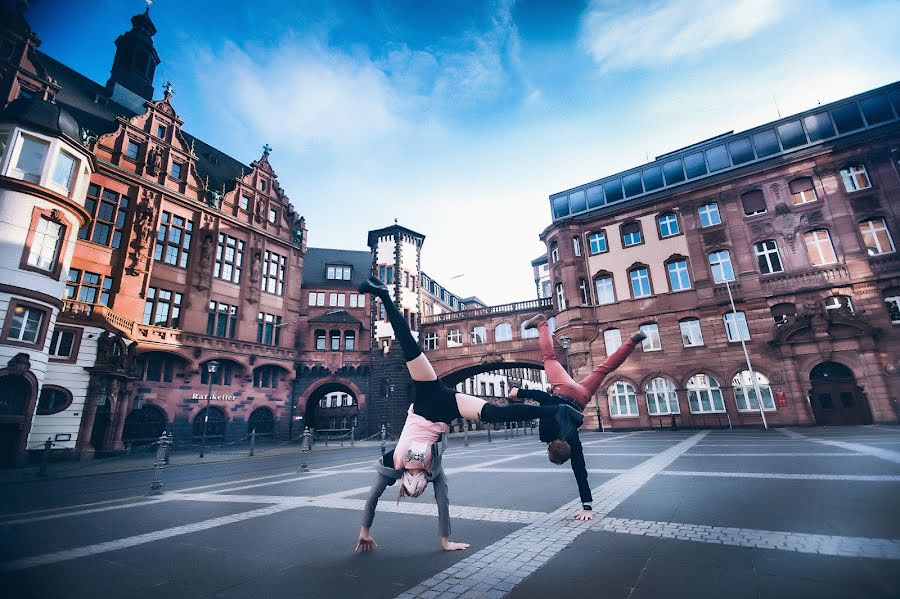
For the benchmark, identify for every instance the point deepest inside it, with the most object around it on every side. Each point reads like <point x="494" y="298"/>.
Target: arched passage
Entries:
<point x="215" y="428"/>
<point x="836" y="398"/>
<point x="332" y="405"/>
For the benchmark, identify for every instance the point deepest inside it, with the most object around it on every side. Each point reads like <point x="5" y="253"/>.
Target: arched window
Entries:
<point x="503" y="332"/>
<point x="320" y="340"/>
<point x="745" y="393"/>
<point x="677" y="269"/>
<point x="266" y="377"/>
<point x="704" y="394"/>
<point x="585" y="295"/>
<point x="576" y="245"/>
<point x="53" y="400"/>
<point x="667" y="224"/>
<point x="215" y="426"/>
<point x="802" y="191"/>
<point x="454" y="338"/>
<point x="222" y="375"/>
<point x="261" y="420"/>
<point x="479" y="335"/>
<point x="661" y="397"/>
<point x="560" y="297"/>
<point x="753" y="202"/>
<point x="622" y="399"/>
<point x="158" y="367"/>
<point x="349" y="340"/>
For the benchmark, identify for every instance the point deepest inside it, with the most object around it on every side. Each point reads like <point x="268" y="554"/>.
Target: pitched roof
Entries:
<point x="317" y="260"/>
<point x="336" y="316"/>
<point x="89" y="103"/>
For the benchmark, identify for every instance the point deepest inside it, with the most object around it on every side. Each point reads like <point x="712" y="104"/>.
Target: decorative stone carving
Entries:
<point x="144" y="226"/>
<point x="19" y="364"/>
<point x="154" y="161"/>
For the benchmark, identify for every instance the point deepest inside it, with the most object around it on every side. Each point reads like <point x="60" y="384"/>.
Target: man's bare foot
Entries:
<point x="451" y="546"/>
<point x="534" y="321"/>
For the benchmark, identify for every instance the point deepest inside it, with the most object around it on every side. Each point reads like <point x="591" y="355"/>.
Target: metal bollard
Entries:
<point x="352" y="435"/>
<point x="383" y="435"/>
<point x="45" y="456"/>
<point x="252" y="441"/>
<point x="489" y="435"/>
<point x="506" y="430"/>
<point x="466" y="432"/>
<point x="170" y="440"/>
<point x="304" y="451"/>
<point x="161" y="450"/>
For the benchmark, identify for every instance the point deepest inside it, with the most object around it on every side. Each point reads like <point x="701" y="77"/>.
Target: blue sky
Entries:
<point x="459" y="118"/>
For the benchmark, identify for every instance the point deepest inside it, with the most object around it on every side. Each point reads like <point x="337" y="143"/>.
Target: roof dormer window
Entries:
<point x="340" y="273"/>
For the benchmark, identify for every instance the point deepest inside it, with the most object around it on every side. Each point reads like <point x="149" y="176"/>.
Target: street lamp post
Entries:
<point x="759" y="398"/>
<point x="211" y="367"/>
<point x="564" y="341"/>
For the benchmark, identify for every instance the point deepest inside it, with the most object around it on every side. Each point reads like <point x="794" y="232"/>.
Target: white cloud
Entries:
<point x="300" y="93"/>
<point x="645" y="36"/>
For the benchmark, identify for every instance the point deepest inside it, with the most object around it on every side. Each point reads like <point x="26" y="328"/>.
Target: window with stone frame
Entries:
<point x="26" y="323"/>
<point x="720" y="265"/>
<point x="876" y="236"/>
<point x="554" y="252"/>
<point x="631" y="234"/>
<point x="88" y="287"/>
<point x="222" y="319"/>
<point x="667" y="224"/>
<point x="266" y="377"/>
<point x="273" y="273"/>
<point x="479" y="335"/>
<point x="745" y="392"/>
<point x="855" y="178"/>
<point x="782" y="312"/>
<point x="334" y="337"/>
<point x="662" y="400"/>
<point x="819" y="247"/>
<point x="653" y="342"/>
<point x="108" y="210"/>
<point x="430" y="341"/>
<point x="44" y="244"/>
<point x="767" y="257"/>
<point x="603" y="285"/>
<point x="892" y="304"/>
<point x="709" y="215"/>
<point x="753" y="202"/>
<point x="679" y="276"/>
<point x="584" y="291"/>
<point x="704" y="394"/>
<point x="576" y="245"/>
<point x="639" y="277"/>
<point x="229" y="258"/>
<point x="597" y="242"/>
<point x="162" y="308"/>
<point x="803" y="191"/>
<point x="503" y="332"/>
<point x="560" y="297"/>
<point x="268" y="329"/>
<point x="173" y="240"/>
<point x="612" y="340"/>
<point x="736" y="326"/>
<point x="454" y="338"/>
<point x="691" y="333"/>
<point x="64" y="343"/>
<point x="622" y="399"/>
<point x="320" y="340"/>
<point x="349" y="341"/>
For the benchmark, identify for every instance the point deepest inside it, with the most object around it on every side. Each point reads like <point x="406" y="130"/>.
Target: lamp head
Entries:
<point x="212" y="366"/>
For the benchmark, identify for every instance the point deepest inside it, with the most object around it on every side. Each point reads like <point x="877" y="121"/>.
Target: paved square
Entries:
<point x="743" y="513"/>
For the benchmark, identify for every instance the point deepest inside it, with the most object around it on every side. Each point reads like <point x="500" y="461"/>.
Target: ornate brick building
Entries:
<point x="799" y="216"/>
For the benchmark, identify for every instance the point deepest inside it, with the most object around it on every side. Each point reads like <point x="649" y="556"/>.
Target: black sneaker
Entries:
<point x="569" y="420"/>
<point x="375" y="286"/>
<point x="534" y="321"/>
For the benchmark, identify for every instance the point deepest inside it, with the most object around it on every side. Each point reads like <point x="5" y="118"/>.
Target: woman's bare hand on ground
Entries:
<point x="584" y="515"/>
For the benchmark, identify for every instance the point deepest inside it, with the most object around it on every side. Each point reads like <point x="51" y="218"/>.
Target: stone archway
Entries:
<point x="835" y="397"/>
<point x="331" y="415"/>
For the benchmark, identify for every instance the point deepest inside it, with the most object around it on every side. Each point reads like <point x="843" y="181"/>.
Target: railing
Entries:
<point x="809" y="278"/>
<point x="235" y="345"/>
<point x="535" y="305"/>
<point x="146" y="332"/>
<point x="86" y="311"/>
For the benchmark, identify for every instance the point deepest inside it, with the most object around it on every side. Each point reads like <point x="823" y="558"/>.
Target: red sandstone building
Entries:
<point x="800" y="217"/>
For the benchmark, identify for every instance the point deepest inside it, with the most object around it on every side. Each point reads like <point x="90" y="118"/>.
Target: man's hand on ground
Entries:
<point x="584" y="515"/>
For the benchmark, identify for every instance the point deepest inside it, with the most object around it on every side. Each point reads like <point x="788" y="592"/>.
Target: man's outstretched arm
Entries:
<point x="581" y="477"/>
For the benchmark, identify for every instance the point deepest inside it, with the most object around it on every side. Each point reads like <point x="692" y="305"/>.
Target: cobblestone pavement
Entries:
<point x="780" y="513"/>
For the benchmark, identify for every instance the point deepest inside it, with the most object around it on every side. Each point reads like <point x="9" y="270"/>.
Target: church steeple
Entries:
<point x="136" y="58"/>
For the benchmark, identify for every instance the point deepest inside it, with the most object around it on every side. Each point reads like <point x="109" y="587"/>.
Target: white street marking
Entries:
<point x="884" y="454"/>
